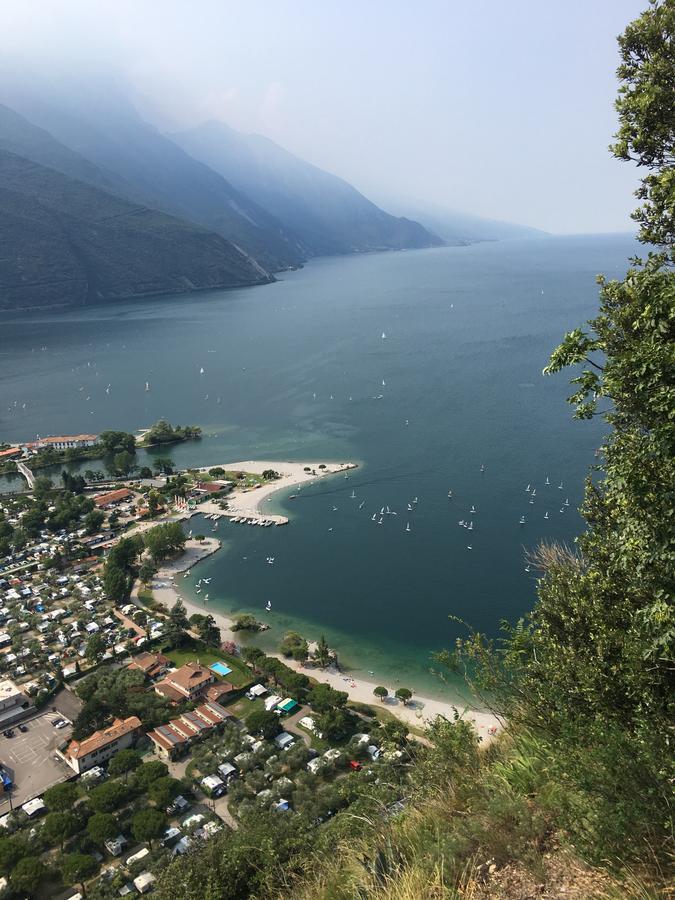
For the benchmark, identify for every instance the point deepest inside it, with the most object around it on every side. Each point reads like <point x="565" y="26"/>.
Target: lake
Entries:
<point x="299" y="370"/>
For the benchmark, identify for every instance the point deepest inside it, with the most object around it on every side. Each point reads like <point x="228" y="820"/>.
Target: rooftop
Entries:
<point x="120" y="727"/>
<point x="147" y="662"/>
<point x="112" y="497"/>
<point x="189" y="677"/>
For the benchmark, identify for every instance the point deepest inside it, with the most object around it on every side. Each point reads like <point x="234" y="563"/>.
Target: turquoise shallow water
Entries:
<point x="292" y="370"/>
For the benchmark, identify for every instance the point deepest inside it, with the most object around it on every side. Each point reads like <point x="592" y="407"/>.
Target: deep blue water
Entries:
<point x="468" y="331"/>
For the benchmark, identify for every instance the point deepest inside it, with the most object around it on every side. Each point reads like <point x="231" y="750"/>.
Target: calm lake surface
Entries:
<point x="291" y="372"/>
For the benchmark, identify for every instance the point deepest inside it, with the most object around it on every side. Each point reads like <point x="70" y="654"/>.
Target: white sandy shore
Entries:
<point x="166" y="590"/>
<point x="251" y="501"/>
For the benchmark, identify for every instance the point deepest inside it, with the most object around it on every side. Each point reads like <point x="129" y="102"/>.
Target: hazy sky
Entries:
<point x="503" y="108"/>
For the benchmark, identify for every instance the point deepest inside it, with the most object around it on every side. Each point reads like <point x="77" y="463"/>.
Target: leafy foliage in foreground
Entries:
<point x="585" y="682"/>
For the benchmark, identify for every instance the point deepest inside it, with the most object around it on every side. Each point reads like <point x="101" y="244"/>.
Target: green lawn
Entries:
<point x="315" y="742"/>
<point x="243" y="707"/>
<point x="239" y="676"/>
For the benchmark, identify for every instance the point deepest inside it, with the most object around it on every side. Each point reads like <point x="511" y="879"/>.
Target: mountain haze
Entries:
<point x="145" y="167"/>
<point x="459" y="227"/>
<point x="328" y="214"/>
<point x="64" y="242"/>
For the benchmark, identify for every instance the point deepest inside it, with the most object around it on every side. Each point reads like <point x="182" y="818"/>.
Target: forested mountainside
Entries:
<point x="145" y="167"/>
<point x="64" y="242"/>
<point x="574" y="798"/>
<point x="21" y="137"/>
<point x="328" y="214"/>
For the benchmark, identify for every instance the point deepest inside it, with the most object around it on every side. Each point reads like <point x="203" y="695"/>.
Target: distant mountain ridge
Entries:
<point x="65" y="242"/>
<point x="324" y="211"/>
<point x="98" y="205"/>
<point x="459" y="227"/>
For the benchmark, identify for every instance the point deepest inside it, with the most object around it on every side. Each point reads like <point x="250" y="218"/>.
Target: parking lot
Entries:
<point x="30" y="759"/>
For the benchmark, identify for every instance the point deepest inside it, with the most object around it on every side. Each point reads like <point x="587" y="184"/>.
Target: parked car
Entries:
<point x="23" y="728"/>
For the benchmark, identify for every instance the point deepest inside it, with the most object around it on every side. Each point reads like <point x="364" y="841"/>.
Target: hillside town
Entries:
<point x="130" y="733"/>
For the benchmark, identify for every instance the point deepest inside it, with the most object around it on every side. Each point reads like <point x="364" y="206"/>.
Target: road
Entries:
<point x="220" y="806"/>
<point x="290" y="724"/>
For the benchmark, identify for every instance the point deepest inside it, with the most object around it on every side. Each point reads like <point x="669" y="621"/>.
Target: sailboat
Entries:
<point x="353" y="495"/>
<point x="560" y="486"/>
<point x="469" y="547"/>
<point x="407" y="526"/>
<point x="380" y="520"/>
<point x="384" y="383"/>
<point x="547" y="481"/>
<point x="546" y="515"/>
<point x="449" y="495"/>
<point x="362" y="504"/>
<point x="522" y="520"/>
<point x="567" y="501"/>
<point x="384" y="336"/>
<point x="147" y="385"/>
<point x="473" y="509"/>
<point x="374" y="517"/>
<point x="268" y="605"/>
<point x="201" y="370"/>
<point x="527" y="489"/>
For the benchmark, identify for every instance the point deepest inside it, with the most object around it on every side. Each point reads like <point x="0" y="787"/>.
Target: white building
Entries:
<point x="101" y="745"/>
<point x="64" y="442"/>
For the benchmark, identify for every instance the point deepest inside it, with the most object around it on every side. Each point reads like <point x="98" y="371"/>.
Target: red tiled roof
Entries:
<point x="112" y="497"/>
<point x="189" y="677"/>
<point x="211" y="487"/>
<point x="166" y="690"/>
<point x="149" y="663"/>
<point x="215" y="691"/>
<point x="102" y="738"/>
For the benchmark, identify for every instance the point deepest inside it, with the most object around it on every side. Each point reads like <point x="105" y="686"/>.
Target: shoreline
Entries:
<point x="248" y="502"/>
<point x="419" y="711"/>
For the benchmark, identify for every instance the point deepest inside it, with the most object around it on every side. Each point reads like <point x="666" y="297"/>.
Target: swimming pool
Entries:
<point x="220" y="668"/>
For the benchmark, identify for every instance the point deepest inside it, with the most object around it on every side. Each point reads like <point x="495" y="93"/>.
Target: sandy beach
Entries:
<point x="251" y="501"/>
<point x="419" y="711"/>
